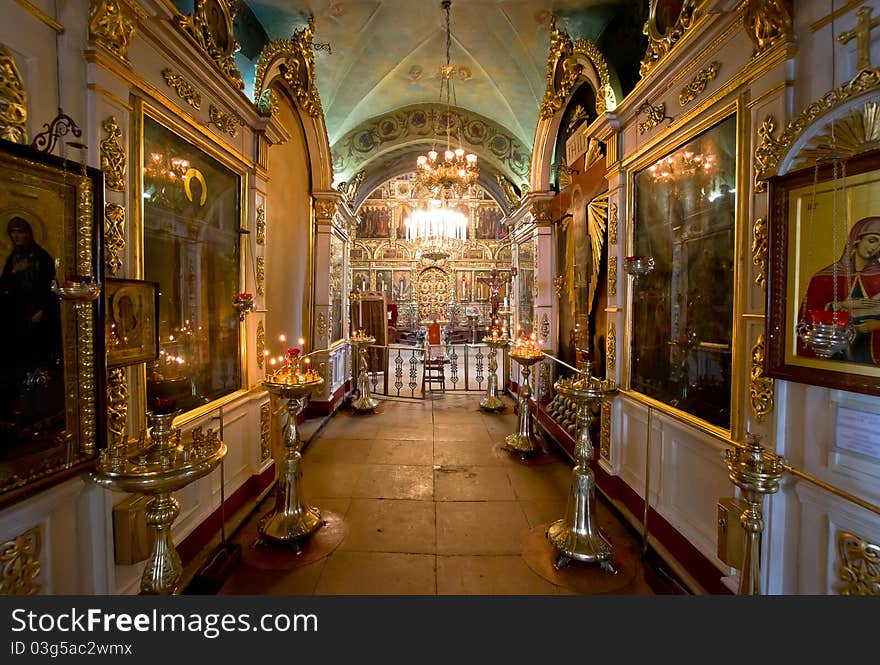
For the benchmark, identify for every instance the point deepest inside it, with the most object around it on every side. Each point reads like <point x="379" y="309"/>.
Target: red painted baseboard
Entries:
<point x="199" y="537"/>
<point x="321" y="408"/>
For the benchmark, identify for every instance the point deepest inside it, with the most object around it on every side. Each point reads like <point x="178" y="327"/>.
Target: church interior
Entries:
<point x="328" y="297"/>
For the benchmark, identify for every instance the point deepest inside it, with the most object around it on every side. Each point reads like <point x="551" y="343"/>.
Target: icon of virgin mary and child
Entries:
<point x="853" y="283"/>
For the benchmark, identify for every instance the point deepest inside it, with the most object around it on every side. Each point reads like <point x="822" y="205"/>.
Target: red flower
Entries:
<point x="293" y="353"/>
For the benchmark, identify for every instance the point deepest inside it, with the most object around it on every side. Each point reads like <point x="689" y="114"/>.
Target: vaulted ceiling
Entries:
<point x="385" y="55"/>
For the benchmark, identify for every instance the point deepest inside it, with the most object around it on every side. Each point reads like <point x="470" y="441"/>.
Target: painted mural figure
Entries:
<point x="854" y="282"/>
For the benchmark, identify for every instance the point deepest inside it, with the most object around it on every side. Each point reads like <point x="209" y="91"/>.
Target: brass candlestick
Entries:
<point x="576" y="536"/>
<point x="291" y="521"/>
<point x="364" y="401"/>
<point x="757" y="474"/>
<point x="491" y="402"/>
<point x="160" y="468"/>
<point x="524" y="441"/>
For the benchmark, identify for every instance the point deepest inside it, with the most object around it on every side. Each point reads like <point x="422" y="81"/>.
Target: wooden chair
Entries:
<point x="433" y="367"/>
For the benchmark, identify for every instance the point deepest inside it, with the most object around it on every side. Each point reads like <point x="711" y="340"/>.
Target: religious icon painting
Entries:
<point x="823" y="275"/>
<point x="51" y="369"/>
<point x="130" y="331"/>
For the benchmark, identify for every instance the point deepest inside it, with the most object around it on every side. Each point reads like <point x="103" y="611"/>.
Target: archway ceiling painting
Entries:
<point x="386" y="54"/>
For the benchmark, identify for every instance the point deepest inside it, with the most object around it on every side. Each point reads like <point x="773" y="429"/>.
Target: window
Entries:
<point x="192" y="213"/>
<point x="683" y="310"/>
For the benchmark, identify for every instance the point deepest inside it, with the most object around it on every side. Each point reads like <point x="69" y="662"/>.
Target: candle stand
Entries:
<point x="290" y="521"/>
<point x="491" y="402"/>
<point x="158" y="468"/>
<point x="757" y="473"/>
<point x="365" y="401"/>
<point x="524" y="441"/>
<point x="576" y="536"/>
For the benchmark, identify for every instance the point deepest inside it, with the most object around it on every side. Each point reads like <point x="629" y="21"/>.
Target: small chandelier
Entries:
<point x="452" y="172"/>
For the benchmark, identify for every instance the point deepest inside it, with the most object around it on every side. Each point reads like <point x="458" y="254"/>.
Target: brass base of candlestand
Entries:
<point x="290" y="522"/>
<point x="522" y="444"/>
<point x="576" y="535"/>
<point x="492" y="403"/>
<point x="365" y="403"/>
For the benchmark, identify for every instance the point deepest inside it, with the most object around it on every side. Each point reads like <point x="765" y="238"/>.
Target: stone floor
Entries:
<point x="420" y="499"/>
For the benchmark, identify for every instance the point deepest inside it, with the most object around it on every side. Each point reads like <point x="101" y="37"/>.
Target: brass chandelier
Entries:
<point x="447" y="175"/>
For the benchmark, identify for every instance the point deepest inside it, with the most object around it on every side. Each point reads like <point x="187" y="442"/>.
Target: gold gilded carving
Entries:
<point x="514" y="199"/>
<point x="759" y="251"/>
<point x="563" y="175"/>
<point x="210" y="27"/>
<point x="541" y="212"/>
<point x="612" y="276"/>
<point x="605" y="432"/>
<point x="432" y="291"/>
<point x="85" y="354"/>
<point x="595" y="152"/>
<point x="321" y="327"/>
<point x="856" y="132"/>
<point x="661" y="38"/>
<point x="611" y="347"/>
<point x="261" y="275"/>
<point x="862" y="34"/>
<point x="771" y="151"/>
<point x="13" y="100"/>
<point x="612" y="223"/>
<point x="693" y="89"/>
<point x="265" y="443"/>
<point x="112" y="25"/>
<point x="114" y="236"/>
<point x="349" y="189"/>
<point x="297" y="70"/>
<point x="564" y="71"/>
<point x="117" y="406"/>
<point x="760" y="386"/>
<point x="20" y="564"/>
<point x="223" y="121"/>
<point x="325" y="208"/>
<point x="767" y="153"/>
<point x="597" y="222"/>
<point x="113" y="155"/>
<point x="656" y="115"/>
<point x="261" y="224"/>
<point x="768" y="23"/>
<point x="859" y="566"/>
<point x="184" y="89"/>
<point x="545" y="327"/>
<point x="261" y="344"/>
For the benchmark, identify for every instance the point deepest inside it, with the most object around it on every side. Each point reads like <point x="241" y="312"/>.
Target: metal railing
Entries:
<point x="397" y="370"/>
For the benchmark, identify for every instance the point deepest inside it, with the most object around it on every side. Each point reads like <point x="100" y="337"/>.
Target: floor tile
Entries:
<point x="471" y="483"/>
<point x="378" y="573"/>
<point x="480" y="527"/>
<point x="389" y="525"/>
<point x="401" y="451"/>
<point x="395" y="481"/>
<point x="489" y="575"/>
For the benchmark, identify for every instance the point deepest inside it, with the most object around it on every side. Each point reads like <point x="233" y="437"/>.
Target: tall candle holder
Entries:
<point x="575" y="536"/>
<point x="157" y="467"/>
<point x="757" y="473"/>
<point x="523" y="441"/>
<point x="291" y="520"/>
<point x="365" y="401"/>
<point x="491" y="402"/>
